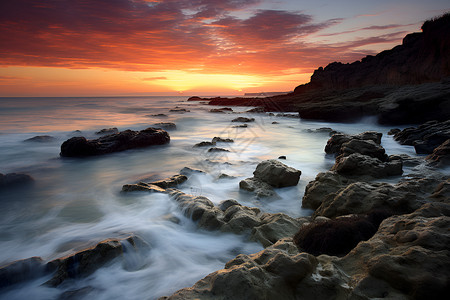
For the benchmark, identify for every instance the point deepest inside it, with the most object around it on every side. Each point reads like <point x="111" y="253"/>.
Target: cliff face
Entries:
<point x="422" y="57"/>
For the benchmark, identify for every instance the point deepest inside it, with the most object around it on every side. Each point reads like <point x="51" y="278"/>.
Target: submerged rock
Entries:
<point x="112" y="130"/>
<point x="166" y="125"/>
<point x="217" y="149"/>
<point x="243" y="119"/>
<point x="217" y="139"/>
<point x="128" y="139"/>
<point x="14" y="179"/>
<point x="179" y="110"/>
<point x="221" y="110"/>
<point x="41" y="139"/>
<point x="21" y="270"/>
<point x="204" y="144"/>
<point x="155" y="186"/>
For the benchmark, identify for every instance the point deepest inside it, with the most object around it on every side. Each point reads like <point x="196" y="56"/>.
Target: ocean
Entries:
<point x="76" y="202"/>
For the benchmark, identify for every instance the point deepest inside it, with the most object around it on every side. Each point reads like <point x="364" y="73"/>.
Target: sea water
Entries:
<point x="76" y="202"/>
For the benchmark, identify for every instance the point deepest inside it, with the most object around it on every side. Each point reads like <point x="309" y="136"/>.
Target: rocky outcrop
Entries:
<point x="41" y="139"/>
<point x="112" y="130"/>
<point x="407" y="258"/>
<point x="14" y="179"/>
<point x="125" y="140"/>
<point x="426" y="137"/>
<point x="440" y="155"/>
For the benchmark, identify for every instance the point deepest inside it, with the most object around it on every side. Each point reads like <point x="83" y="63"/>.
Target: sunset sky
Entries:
<point x="197" y="47"/>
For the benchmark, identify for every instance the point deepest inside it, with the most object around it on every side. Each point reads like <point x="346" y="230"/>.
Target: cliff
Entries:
<point x="423" y="57"/>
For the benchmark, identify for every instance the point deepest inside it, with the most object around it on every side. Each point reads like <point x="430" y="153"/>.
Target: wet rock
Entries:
<point x="179" y="110"/>
<point x="166" y="125"/>
<point x="21" y="271"/>
<point x="364" y="147"/>
<point x="257" y="186"/>
<point x="226" y="176"/>
<point x="142" y="187"/>
<point x="426" y="137"/>
<point x="87" y="261"/>
<point x="170" y="182"/>
<point x="440" y="155"/>
<point x="282" y="157"/>
<point x="205" y="144"/>
<point x="336" y="141"/>
<point x="217" y="149"/>
<point x="276" y="173"/>
<point x="125" y="140"/>
<point x="41" y="139"/>
<point x="240" y="126"/>
<point x="274" y="122"/>
<point x="393" y="131"/>
<point x="362" y="165"/>
<point x="217" y="139"/>
<point x="243" y="119"/>
<point x="326" y="184"/>
<point x="224" y="205"/>
<point x="189" y="171"/>
<point x="221" y="110"/>
<point x="14" y="179"/>
<point x="112" y="130"/>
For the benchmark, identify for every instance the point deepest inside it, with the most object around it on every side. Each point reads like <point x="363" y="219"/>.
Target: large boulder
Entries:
<point x="128" y="139"/>
<point x="359" y="165"/>
<point x="276" y="173"/>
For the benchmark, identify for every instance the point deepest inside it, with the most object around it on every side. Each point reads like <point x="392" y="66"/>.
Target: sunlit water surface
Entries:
<point x="77" y="202"/>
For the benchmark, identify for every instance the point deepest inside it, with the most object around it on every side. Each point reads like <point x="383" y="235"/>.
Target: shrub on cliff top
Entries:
<point x="338" y="236"/>
<point x="436" y="22"/>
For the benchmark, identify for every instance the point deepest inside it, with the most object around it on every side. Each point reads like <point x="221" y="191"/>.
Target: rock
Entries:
<point x="321" y="130"/>
<point x="179" y="110"/>
<point x="282" y="157"/>
<point x="221" y="110"/>
<point x="326" y="184"/>
<point x="426" y="137"/>
<point x="256" y="110"/>
<point x="204" y="144"/>
<point x="166" y="125"/>
<point x="21" y="270"/>
<point x="442" y="192"/>
<point x="216" y="149"/>
<point x="190" y="171"/>
<point x="336" y="141"/>
<point x="224" y="205"/>
<point x="170" y="182"/>
<point x="112" y="130"/>
<point x="240" y="126"/>
<point x="217" y="139"/>
<point x="359" y="165"/>
<point x="142" y="187"/>
<point x="87" y="261"/>
<point x="159" y="115"/>
<point x="296" y="116"/>
<point x="14" y="179"/>
<point x="194" y="98"/>
<point x="393" y="131"/>
<point x="440" y="155"/>
<point x="276" y="173"/>
<point x="226" y="176"/>
<point x="41" y="139"/>
<point x="274" y="122"/>
<point x="243" y="119"/>
<point x="257" y="186"/>
<point x="364" y="147"/>
<point x="128" y="139"/>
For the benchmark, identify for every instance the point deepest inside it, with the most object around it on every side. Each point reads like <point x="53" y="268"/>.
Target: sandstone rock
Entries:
<point x="128" y="139"/>
<point x="41" y="139"/>
<point x="112" y="130"/>
<point x="14" y="179"/>
<point x="440" y="155"/>
<point x="243" y="119"/>
<point x="276" y="173"/>
<point x="260" y="188"/>
<point x="359" y="165"/>
<point x="166" y="125"/>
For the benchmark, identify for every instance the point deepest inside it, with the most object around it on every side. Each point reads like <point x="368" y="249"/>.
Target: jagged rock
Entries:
<point x="276" y="173"/>
<point x="205" y="144"/>
<point x="243" y="119"/>
<point x="257" y="186"/>
<point x="359" y="165"/>
<point x="41" y="139"/>
<point x="440" y="155"/>
<point x="217" y="149"/>
<point x="128" y="139"/>
<point x="166" y="125"/>
<point x="190" y="171"/>
<point x="112" y="130"/>
<point x="222" y="140"/>
<point x="326" y="184"/>
<point x="426" y="137"/>
<point x="21" y="270"/>
<point x="393" y="131"/>
<point x="14" y="179"/>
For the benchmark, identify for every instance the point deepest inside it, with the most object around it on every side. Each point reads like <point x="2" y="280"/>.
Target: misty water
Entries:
<point x="75" y="203"/>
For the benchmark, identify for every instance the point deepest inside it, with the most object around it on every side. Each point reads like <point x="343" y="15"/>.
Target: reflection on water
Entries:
<point x="75" y="202"/>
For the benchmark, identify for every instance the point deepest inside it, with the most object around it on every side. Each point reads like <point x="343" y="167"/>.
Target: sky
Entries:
<point x="196" y="47"/>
